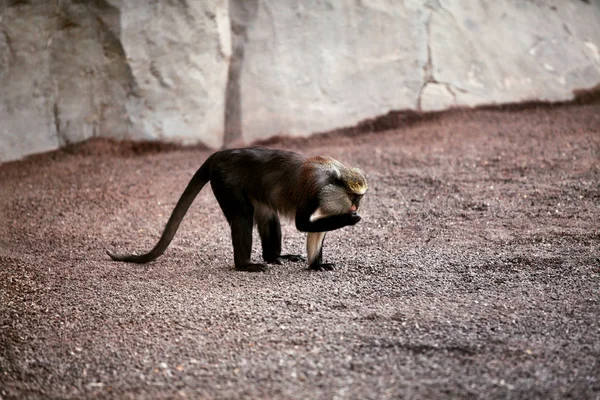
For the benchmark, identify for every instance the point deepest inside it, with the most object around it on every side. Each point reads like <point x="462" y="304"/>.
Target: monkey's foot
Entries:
<point x="252" y="268"/>
<point x="322" y="267"/>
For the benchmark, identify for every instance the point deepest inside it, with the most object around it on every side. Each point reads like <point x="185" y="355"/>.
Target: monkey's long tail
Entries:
<point x="200" y="178"/>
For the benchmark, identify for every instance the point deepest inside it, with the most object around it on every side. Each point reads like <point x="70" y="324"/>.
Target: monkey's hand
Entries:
<point x="354" y="218"/>
<point x="325" y="224"/>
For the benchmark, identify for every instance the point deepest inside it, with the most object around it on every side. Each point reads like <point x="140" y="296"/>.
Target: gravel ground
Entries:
<point x="474" y="273"/>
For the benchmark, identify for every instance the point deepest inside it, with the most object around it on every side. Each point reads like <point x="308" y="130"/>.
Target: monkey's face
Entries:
<point x="354" y="182"/>
<point x="337" y="198"/>
<point x="343" y="190"/>
<point x="355" y="200"/>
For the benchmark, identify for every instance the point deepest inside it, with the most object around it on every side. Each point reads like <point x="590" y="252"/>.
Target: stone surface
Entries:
<point x="27" y="93"/>
<point x="231" y="72"/>
<point x="356" y="61"/>
<point x="146" y="70"/>
<point x="437" y="97"/>
<point x="178" y="55"/>
<point x="493" y="52"/>
<point x="314" y="66"/>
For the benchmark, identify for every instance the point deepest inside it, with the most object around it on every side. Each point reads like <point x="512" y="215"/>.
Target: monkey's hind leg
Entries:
<point x="241" y="237"/>
<point x="269" y="229"/>
<point x="240" y="215"/>
<point x="314" y="247"/>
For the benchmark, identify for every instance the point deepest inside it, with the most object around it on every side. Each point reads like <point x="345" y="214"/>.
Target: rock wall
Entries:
<point x="224" y="73"/>
<point x="511" y="51"/>
<point x="130" y="69"/>
<point x="315" y="66"/>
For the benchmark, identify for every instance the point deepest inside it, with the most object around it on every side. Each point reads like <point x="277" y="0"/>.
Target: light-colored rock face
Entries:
<point x="488" y="52"/>
<point x="27" y="94"/>
<point x="149" y="70"/>
<point x="232" y="71"/>
<point x="178" y="56"/>
<point x="316" y="66"/>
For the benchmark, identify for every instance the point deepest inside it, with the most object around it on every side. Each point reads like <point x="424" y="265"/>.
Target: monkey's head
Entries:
<point x="355" y="183"/>
<point x="344" y="188"/>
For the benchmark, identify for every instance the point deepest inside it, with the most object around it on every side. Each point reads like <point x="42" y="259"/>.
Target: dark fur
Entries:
<point x="255" y="186"/>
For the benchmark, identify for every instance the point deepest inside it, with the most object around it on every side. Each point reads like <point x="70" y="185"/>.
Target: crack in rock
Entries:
<point x="62" y="139"/>
<point x="6" y="56"/>
<point x="428" y="67"/>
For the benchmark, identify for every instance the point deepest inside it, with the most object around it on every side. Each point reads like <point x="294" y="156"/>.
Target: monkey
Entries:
<point x="255" y="186"/>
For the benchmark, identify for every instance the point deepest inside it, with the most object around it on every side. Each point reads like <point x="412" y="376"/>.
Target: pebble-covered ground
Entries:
<point x="474" y="273"/>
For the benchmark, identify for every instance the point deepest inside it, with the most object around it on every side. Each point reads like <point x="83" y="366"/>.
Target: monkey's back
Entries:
<point x="267" y="177"/>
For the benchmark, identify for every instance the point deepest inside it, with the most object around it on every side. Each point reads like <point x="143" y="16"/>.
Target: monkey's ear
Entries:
<point x="336" y="180"/>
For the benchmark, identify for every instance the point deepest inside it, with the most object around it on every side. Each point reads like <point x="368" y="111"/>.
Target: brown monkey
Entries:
<point x="256" y="186"/>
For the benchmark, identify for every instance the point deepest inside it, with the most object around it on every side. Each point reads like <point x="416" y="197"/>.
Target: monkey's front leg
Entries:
<point x="316" y="229"/>
<point x="314" y="249"/>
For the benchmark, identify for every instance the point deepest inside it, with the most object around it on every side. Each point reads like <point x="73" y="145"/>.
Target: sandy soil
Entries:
<point x="474" y="273"/>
